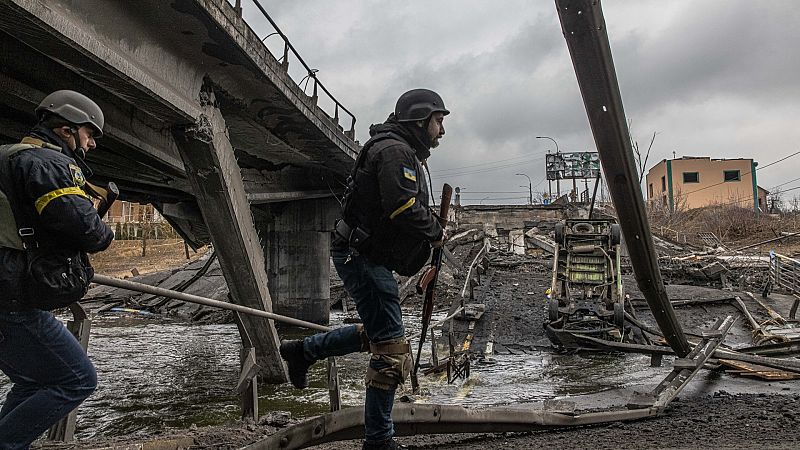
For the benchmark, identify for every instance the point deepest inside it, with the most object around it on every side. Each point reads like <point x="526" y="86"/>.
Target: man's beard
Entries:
<point x="434" y="142"/>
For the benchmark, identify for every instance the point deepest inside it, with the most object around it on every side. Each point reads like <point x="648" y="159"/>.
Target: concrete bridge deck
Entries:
<point x="203" y="122"/>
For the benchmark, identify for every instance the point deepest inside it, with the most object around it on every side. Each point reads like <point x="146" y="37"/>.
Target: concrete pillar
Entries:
<point x="217" y="184"/>
<point x="297" y="251"/>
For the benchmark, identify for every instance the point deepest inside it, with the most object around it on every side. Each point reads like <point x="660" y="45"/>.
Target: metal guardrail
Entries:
<point x="784" y="272"/>
<point x="468" y="283"/>
<point x="311" y="74"/>
<point x="680" y="236"/>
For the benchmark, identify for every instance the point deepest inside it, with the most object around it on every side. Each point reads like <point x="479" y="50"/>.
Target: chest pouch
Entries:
<point x="55" y="277"/>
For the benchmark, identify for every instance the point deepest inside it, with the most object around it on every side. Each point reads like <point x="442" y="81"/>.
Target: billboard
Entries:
<point x="574" y="165"/>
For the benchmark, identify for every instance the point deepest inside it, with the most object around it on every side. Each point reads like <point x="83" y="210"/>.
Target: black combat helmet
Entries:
<point x="418" y="104"/>
<point x="73" y="107"/>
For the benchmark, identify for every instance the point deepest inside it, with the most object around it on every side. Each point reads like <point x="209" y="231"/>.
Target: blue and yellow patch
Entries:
<point x="410" y="174"/>
<point x="77" y="175"/>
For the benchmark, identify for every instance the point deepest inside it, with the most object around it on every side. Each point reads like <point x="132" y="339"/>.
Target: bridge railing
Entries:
<point x="784" y="272"/>
<point x="311" y="74"/>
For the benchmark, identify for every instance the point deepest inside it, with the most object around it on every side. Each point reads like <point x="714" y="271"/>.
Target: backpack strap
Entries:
<point x="18" y="232"/>
<point x="362" y="155"/>
<point x="351" y="180"/>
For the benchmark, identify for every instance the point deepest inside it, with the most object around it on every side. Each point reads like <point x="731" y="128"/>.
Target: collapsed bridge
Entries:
<point x="206" y="124"/>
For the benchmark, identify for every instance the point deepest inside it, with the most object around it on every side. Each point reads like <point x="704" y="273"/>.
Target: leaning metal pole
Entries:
<point x="153" y="290"/>
<point x="585" y="32"/>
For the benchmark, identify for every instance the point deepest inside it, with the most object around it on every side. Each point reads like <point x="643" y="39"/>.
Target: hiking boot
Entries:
<point x="292" y="352"/>
<point x="391" y="444"/>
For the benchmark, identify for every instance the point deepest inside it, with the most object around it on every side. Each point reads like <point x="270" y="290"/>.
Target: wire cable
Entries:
<point x="534" y="157"/>
<point x="740" y="176"/>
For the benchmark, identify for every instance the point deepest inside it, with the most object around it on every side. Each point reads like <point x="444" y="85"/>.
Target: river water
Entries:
<point x="156" y="374"/>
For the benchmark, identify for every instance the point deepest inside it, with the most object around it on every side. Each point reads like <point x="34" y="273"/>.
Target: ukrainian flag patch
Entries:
<point x="410" y="174"/>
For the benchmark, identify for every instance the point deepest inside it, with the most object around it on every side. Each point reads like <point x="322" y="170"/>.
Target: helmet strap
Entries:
<point x="79" y="151"/>
<point x="79" y="154"/>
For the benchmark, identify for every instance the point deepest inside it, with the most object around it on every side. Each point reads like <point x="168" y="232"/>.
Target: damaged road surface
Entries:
<point x="523" y="384"/>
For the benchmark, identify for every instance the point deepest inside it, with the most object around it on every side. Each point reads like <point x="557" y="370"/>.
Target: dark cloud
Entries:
<point x="715" y="78"/>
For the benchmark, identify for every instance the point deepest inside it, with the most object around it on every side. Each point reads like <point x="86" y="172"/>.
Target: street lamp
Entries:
<point x="530" y="188"/>
<point x="548" y="137"/>
<point x="558" y="181"/>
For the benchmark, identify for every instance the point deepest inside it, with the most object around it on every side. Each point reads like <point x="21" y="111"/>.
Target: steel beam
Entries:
<point x="585" y="32"/>
<point x="286" y="196"/>
<point x="413" y="419"/>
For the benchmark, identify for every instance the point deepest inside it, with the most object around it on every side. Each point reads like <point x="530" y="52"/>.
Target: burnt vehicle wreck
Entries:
<point x="586" y="295"/>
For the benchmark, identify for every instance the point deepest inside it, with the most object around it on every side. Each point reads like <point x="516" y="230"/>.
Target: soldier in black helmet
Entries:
<point x="48" y="226"/>
<point x="386" y="226"/>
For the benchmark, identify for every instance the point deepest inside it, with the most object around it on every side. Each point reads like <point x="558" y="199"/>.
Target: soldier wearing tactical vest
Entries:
<point x="48" y="223"/>
<point x="386" y="226"/>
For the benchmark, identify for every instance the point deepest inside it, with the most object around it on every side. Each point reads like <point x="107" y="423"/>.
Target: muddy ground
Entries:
<point x="720" y="420"/>
<point x="123" y="257"/>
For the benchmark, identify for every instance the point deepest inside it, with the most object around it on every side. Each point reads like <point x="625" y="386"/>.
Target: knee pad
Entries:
<point x="395" y="357"/>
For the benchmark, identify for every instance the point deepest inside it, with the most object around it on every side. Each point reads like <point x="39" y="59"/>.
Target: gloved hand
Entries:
<point x="441" y="241"/>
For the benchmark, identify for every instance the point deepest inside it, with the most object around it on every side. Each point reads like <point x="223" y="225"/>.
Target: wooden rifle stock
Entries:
<point x="425" y="279"/>
<point x="427" y="282"/>
<point x="106" y="195"/>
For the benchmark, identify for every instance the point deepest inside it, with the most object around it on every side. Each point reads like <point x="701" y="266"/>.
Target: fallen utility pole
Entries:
<point x="783" y="236"/>
<point x="147" y="289"/>
<point x="585" y="32"/>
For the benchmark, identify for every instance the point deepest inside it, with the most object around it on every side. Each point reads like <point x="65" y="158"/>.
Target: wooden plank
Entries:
<point x="217" y="184"/>
<point x="757" y="370"/>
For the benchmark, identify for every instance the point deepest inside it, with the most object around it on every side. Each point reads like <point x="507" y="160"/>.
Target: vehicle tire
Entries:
<point x="616" y="234"/>
<point x="583" y="228"/>
<point x="619" y="315"/>
<point x="552" y="309"/>
<point x="559" y="231"/>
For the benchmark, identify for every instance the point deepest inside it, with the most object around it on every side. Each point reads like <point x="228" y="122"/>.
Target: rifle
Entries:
<point x="427" y="283"/>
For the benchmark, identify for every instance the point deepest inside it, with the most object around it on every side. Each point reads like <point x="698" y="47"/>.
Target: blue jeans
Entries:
<point x="51" y="374"/>
<point x="375" y="292"/>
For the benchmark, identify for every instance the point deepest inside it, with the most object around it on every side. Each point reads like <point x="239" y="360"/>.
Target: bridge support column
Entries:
<point x="297" y="247"/>
<point x="216" y="181"/>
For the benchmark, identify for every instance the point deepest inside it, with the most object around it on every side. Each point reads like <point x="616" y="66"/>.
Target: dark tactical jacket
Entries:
<point x="391" y="198"/>
<point x="48" y="184"/>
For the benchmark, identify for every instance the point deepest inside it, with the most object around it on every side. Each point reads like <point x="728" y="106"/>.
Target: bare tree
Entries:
<point x="774" y="201"/>
<point x="147" y="218"/>
<point x="641" y="162"/>
<point x="794" y="204"/>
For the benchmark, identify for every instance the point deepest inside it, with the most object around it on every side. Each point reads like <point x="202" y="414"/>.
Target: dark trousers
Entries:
<point x="375" y="292"/>
<point x="51" y="374"/>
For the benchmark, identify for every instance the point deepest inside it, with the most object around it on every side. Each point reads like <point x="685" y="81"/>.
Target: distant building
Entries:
<point x="135" y="221"/>
<point x="696" y="181"/>
<point x="128" y="212"/>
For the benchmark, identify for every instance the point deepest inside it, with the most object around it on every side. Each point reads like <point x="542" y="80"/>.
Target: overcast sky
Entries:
<point x="712" y="78"/>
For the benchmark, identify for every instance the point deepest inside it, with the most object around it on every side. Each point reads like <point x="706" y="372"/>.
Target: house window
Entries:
<point x="731" y="175"/>
<point x="650" y="190"/>
<point x="691" y="177"/>
<point x="663" y="184"/>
